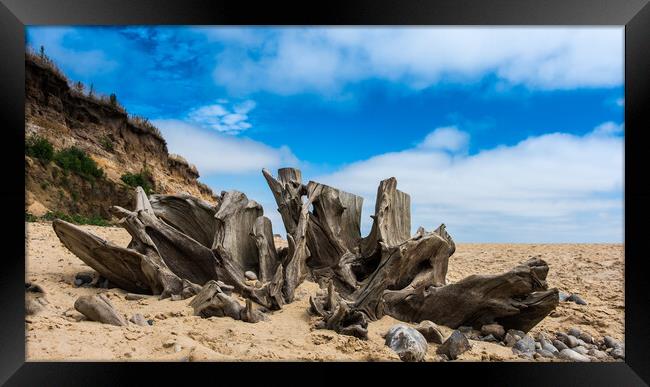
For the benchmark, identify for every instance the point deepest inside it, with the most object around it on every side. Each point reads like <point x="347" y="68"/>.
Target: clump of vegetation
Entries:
<point x="145" y="125"/>
<point x="76" y="160"/>
<point x="107" y="144"/>
<point x="30" y="217"/>
<point x="44" y="61"/>
<point x="75" y="218"/>
<point x="142" y="179"/>
<point x="39" y="148"/>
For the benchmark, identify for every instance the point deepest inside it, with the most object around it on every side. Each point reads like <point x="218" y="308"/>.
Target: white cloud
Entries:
<point x="221" y="117"/>
<point x="295" y="60"/>
<point x="555" y="187"/>
<point x="218" y="153"/>
<point x="448" y="138"/>
<point x="608" y="129"/>
<point x="82" y="62"/>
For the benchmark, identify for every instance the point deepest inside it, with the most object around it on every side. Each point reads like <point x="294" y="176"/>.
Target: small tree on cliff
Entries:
<point x="113" y="99"/>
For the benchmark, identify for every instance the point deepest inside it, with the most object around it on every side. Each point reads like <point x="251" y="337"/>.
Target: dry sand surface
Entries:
<point x="594" y="271"/>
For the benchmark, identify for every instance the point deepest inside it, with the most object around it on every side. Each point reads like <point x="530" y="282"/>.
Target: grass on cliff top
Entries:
<point x="74" y="218"/>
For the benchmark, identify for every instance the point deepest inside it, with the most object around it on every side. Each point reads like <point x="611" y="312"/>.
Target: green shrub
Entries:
<point x="76" y="218"/>
<point x="76" y="160"/>
<point x="30" y="218"/>
<point x="39" y="148"/>
<point x="142" y="179"/>
<point x="107" y="144"/>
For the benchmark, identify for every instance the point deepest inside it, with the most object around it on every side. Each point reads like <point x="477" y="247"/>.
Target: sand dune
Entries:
<point x="594" y="271"/>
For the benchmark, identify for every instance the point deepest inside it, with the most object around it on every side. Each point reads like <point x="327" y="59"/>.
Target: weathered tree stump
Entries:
<point x="180" y="243"/>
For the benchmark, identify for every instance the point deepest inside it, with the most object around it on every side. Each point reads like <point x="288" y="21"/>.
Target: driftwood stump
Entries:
<point x="390" y="272"/>
<point x="183" y="246"/>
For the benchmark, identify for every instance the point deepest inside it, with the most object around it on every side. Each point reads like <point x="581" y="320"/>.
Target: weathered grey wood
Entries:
<point x="295" y="268"/>
<point x="517" y="299"/>
<point x="99" y="308"/>
<point x="407" y="266"/>
<point x="214" y="301"/>
<point x="180" y="243"/>
<point x="122" y="266"/>
<point x="268" y="260"/>
<point x="191" y="216"/>
<point x="332" y="231"/>
<point x="172" y="255"/>
<point x="287" y="191"/>
<point x="337" y="315"/>
<point x="392" y="219"/>
<point x="234" y="223"/>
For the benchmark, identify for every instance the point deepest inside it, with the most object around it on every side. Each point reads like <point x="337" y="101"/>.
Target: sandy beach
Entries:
<point x="60" y="333"/>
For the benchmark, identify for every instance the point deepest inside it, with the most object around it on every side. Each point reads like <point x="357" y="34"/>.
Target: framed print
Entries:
<point x="354" y="186"/>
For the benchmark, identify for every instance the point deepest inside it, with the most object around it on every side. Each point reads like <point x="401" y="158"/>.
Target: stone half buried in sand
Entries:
<point x="99" y="308"/>
<point x="407" y="342"/>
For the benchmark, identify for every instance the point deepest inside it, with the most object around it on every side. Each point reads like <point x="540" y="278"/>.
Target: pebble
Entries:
<point x="581" y="350"/>
<point x="250" y="275"/>
<point x="577" y="299"/>
<point x="538" y="345"/>
<point x="408" y="343"/>
<point x="512" y="336"/>
<point x="489" y="339"/>
<point x="495" y="330"/>
<point x="572" y="342"/>
<point x="430" y="331"/>
<point x="575" y="332"/>
<point x="83" y="278"/>
<point x="610" y="342"/>
<point x="177" y="347"/>
<point x="455" y="345"/>
<point x="547" y="346"/>
<point x="470" y="332"/>
<point x="572" y="355"/>
<point x="169" y="343"/>
<point x="586" y="337"/>
<point x="597" y="354"/>
<point x="618" y="353"/>
<point x="563" y="296"/>
<point x="150" y="322"/>
<point x="545" y="353"/>
<point x="526" y="344"/>
<point x="138" y="319"/>
<point x="559" y="345"/>
<point x="133" y="296"/>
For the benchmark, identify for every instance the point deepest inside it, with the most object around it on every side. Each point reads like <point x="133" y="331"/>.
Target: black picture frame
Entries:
<point x="633" y="14"/>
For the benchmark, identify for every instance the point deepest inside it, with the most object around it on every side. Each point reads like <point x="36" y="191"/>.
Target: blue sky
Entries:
<point x="503" y="134"/>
